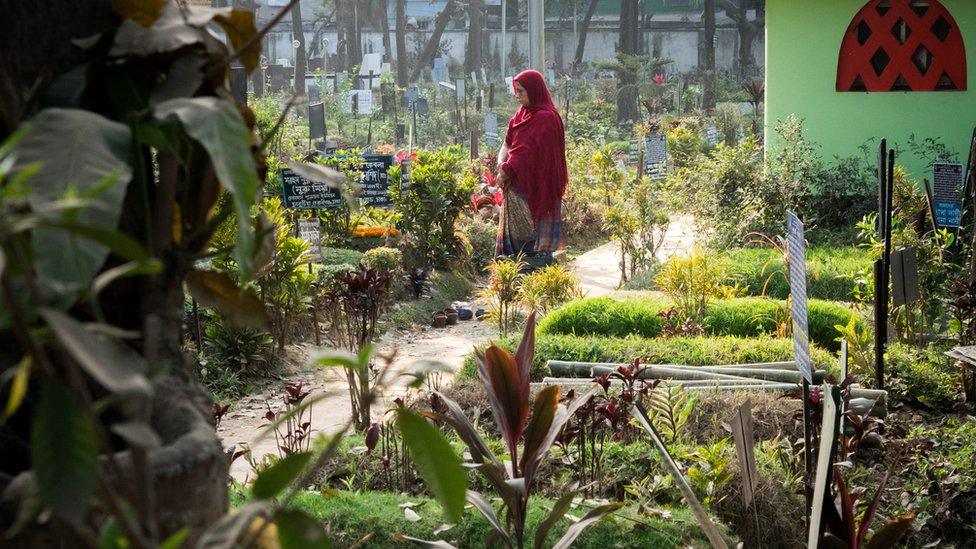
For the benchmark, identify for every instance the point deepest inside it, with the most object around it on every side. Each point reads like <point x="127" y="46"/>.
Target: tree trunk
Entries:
<point x="401" y="43"/>
<point x="748" y="30"/>
<point x="584" y="28"/>
<point x="427" y="56"/>
<point x="629" y="43"/>
<point x="385" y="27"/>
<point x="708" y="64"/>
<point x="476" y="33"/>
<point x="350" y="48"/>
<point x="298" y="34"/>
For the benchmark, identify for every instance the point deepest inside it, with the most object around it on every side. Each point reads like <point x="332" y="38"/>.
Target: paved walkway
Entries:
<point x="599" y="268"/>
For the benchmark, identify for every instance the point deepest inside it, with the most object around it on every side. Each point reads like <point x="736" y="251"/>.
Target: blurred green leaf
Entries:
<point x="175" y="541"/>
<point x="436" y="462"/>
<point x="298" y="530"/>
<point x="83" y="152"/>
<point x="114" y="365"/>
<point x="137" y="434"/>
<point x="241" y="307"/>
<point x="18" y="386"/>
<point x="64" y="454"/>
<point x="132" y="268"/>
<point x="276" y="478"/>
<point x="218" y="126"/>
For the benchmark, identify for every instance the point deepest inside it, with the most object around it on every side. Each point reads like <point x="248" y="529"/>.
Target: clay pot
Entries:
<point x="440" y="320"/>
<point x="452" y="316"/>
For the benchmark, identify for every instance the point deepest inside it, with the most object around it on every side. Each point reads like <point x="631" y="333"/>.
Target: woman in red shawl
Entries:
<point x="532" y="172"/>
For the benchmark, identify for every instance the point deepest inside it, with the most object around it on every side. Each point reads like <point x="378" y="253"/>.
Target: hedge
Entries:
<point x="692" y="351"/>
<point x="831" y="272"/>
<point x="744" y="317"/>
<point x="372" y="519"/>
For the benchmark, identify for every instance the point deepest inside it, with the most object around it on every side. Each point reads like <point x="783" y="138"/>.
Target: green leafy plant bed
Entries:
<point x="374" y="519"/>
<point x="831" y="272"/>
<point x="693" y="351"/>
<point x="744" y="317"/>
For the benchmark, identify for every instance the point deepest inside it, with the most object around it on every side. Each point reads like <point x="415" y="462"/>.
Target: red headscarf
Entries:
<point x="536" y="142"/>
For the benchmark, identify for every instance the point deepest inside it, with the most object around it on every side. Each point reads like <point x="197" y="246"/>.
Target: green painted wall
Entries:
<point x="802" y="47"/>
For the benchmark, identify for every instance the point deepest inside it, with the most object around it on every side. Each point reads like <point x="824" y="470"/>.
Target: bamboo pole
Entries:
<point x="583" y="369"/>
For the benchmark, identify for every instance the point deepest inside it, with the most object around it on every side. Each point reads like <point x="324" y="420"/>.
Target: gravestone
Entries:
<point x="904" y="277"/>
<point x="301" y="194"/>
<point x="711" y="135"/>
<point x="316" y="121"/>
<point x="491" y="130"/>
<point x="796" y="248"/>
<point x="309" y="231"/>
<point x="439" y="72"/>
<point x="238" y="84"/>
<point x="656" y="156"/>
<point x="375" y="181"/>
<point x="947" y="195"/>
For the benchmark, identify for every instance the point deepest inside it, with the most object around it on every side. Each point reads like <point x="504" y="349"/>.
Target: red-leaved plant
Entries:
<point x="506" y="380"/>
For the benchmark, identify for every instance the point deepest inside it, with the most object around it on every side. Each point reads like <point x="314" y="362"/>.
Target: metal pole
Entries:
<point x="504" y="43"/>
<point x="537" y="35"/>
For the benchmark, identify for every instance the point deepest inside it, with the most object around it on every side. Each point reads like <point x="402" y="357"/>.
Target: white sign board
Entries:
<point x="711" y="135"/>
<point x="796" y="250"/>
<point x="365" y="101"/>
<point x="491" y="130"/>
<point x="828" y="435"/>
<point x="308" y="230"/>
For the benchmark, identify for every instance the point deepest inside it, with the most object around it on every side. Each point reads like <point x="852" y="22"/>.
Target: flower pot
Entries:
<point x="452" y="317"/>
<point x="440" y="320"/>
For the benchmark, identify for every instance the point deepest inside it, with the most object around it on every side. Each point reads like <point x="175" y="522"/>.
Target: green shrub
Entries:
<point x="921" y="376"/>
<point x="693" y="351"/>
<point x="684" y="146"/>
<point x="831" y="272"/>
<point x="481" y="236"/>
<point x="390" y="259"/>
<point x="338" y="256"/>
<point x="545" y="289"/>
<point x="743" y="317"/>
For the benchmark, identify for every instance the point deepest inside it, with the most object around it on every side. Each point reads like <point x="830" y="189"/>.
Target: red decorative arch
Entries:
<point x="902" y="45"/>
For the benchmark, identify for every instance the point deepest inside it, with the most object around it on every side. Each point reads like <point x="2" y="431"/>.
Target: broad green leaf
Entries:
<point x="118" y="242"/>
<point x="183" y="79"/>
<point x="241" y="307"/>
<point x="143" y="12"/>
<point x="297" y="530"/>
<point x="169" y="32"/>
<point x="239" y="28"/>
<point x="276" y="478"/>
<point x="560" y="508"/>
<point x="18" y="387"/>
<point x="81" y="151"/>
<point x="589" y="518"/>
<point x="132" y="268"/>
<point x="64" y="453"/>
<point x="336" y="357"/>
<point x="175" y="541"/>
<point x="113" y="364"/>
<point x="218" y="126"/>
<point x="137" y="434"/>
<point x="436" y="462"/>
<point x="489" y="513"/>
<point x="3" y="262"/>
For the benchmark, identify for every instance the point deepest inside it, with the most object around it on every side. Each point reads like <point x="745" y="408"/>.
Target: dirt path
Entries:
<point x="598" y="273"/>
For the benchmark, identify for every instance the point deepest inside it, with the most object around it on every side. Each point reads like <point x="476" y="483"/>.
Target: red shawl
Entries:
<point x="536" y="142"/>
